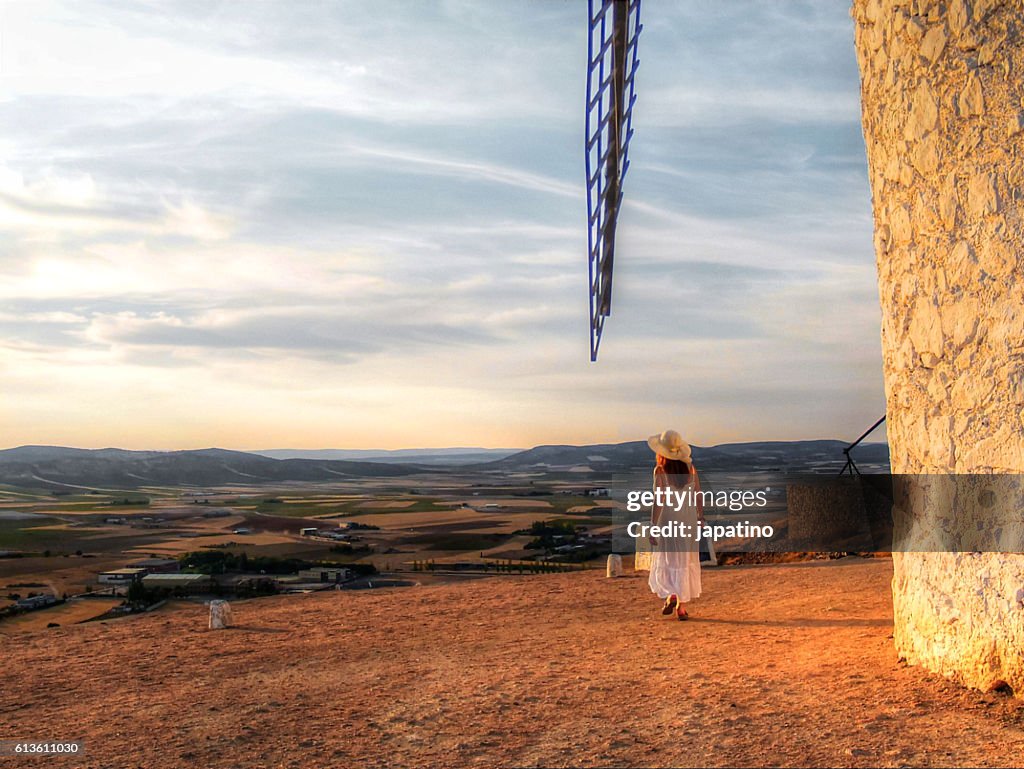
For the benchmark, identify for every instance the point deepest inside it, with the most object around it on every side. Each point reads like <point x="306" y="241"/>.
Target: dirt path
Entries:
<point x="782" y="665"/>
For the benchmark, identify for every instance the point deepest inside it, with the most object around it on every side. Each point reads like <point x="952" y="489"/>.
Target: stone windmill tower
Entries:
<point x="942" y="83"/>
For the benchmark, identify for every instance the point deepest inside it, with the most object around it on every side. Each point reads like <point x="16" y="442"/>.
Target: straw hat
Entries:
<point x="670" y="445"/>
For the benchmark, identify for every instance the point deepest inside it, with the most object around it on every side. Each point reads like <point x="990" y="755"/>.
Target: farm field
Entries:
<point x="69" y="613"/>
<point x="59" y="542"/>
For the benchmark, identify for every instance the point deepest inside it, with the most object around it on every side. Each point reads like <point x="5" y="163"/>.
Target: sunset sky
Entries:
<point x="362" y="225"/>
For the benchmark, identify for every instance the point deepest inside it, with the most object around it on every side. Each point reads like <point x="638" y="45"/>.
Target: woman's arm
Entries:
<point x="700" y="498"/>
<point x="660" y="482"/>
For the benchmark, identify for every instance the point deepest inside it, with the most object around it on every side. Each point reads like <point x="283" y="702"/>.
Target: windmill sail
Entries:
<point x="614" y="28"/>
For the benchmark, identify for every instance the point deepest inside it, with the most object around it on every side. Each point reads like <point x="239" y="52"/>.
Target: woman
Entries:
<point x="675" y="561"/>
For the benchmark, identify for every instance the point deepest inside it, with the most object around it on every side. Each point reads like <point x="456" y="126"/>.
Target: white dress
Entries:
<point x="675" y="563"/>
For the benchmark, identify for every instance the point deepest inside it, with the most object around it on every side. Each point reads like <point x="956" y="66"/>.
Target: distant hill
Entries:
<point x="441" y="456"/>
<point x="56" y="467"/>
<point x="792" y="455"/>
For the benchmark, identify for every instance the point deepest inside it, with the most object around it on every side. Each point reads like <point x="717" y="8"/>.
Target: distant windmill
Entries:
<point x="614" y="29"/>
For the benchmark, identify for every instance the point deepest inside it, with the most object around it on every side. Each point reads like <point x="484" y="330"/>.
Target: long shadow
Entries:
<point x="796" y="623"/>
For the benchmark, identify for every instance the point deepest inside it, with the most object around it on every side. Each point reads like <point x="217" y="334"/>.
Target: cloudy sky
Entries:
<point x="350" y="224"/>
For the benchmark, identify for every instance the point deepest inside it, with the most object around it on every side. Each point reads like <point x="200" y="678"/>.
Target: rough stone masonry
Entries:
<point x="942" y="86"/>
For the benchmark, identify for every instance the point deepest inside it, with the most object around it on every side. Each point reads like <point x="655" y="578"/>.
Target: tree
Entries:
<point x="138" y="595"/>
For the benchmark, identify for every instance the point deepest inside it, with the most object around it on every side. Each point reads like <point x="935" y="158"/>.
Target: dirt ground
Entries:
<point x="788" y="665"/>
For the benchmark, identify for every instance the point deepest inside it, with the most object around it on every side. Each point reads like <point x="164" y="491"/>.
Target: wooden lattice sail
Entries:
<point x="614" y="28"/>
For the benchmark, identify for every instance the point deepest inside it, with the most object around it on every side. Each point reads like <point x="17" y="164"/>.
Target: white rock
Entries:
<point x="900" y="225"/>
<point x="1015" y="124"/>
<point x="934" y="43"/>
<point x="925" y="330"/>
<point x="924" y="113"/>
<point x="614" y="568"/>
<point x="972" y="99"/>
<point x="981" y="194"/>
<point x="958" y="16"/>
<point x="220" y="614"/>
<point x="925" y="155"/>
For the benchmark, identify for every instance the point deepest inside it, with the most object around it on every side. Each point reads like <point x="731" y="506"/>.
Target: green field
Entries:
<point x="432" y="520"/>
<point x="458" y="541"/>
<point x="21" y="534"/>
<point x="292" y="509"/>
<point x="561" y="503"/>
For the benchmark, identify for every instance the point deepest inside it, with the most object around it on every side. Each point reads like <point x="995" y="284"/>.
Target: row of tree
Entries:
<point x="506" y="566"/>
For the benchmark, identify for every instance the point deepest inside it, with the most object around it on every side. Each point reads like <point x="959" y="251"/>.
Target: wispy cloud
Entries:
<point x="336" y="224"/>
<point x="467" y="170"/>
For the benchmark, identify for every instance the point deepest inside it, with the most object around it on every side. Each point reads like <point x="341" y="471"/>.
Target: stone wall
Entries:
<point x="942" y="86"/>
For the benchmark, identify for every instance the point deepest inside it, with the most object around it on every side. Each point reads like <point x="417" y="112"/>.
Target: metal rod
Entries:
<point x="850" y="464"/>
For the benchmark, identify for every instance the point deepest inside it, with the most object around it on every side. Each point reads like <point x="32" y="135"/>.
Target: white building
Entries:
<point x="325" y="574"/>
<point x="121" y="576"/>
<point x="171" y="581"/>
<point x="35" y="602"/>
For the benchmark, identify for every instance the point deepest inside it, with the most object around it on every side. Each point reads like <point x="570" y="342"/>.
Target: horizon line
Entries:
<point x="417" y="448"/>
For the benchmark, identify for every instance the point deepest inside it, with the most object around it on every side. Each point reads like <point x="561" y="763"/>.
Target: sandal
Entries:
<point x="670" y="605"/>
<point x="681" y="614"/>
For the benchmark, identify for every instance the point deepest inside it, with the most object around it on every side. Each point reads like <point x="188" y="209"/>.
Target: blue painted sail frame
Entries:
<point x="614" y="29"/>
